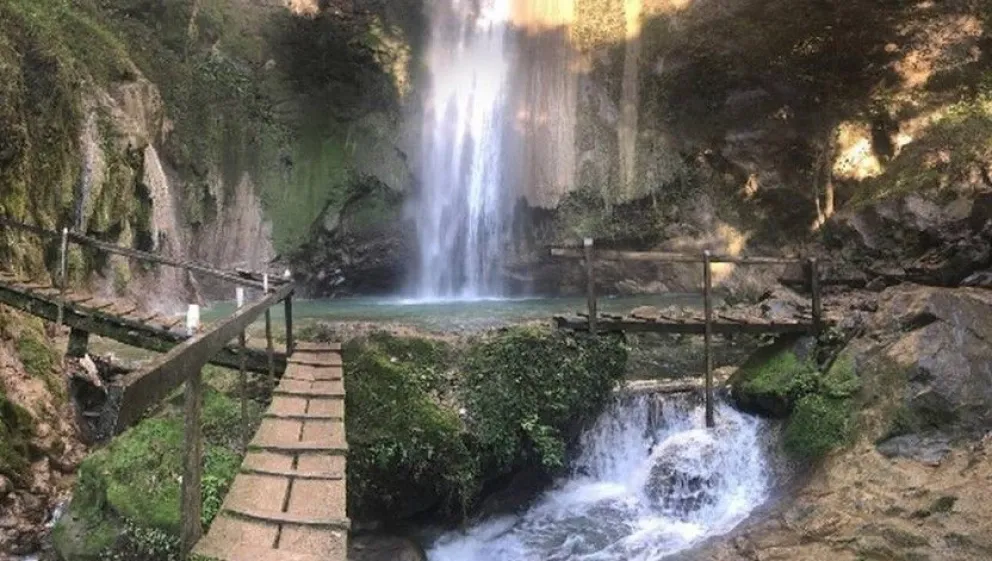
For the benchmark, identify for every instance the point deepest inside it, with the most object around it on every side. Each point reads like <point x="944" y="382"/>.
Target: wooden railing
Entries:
<point x="139" y="391"/>
<point x="588" y="254"/>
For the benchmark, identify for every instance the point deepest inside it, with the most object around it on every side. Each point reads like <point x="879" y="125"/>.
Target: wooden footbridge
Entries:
<point x="707" y="323"/>
<point x="288" y="501"/>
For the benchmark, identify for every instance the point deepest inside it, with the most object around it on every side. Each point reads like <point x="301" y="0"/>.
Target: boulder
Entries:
<point x="682" y="480"/>
<point x="943" y="344"/>
<point x="384" y="547"/>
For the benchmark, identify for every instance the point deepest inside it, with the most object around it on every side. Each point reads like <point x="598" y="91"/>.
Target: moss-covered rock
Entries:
<point x="126" y="501"/>
<point x="428" y="424"/>
<point x="16" y="430"/>
<point x="773" y="379"/>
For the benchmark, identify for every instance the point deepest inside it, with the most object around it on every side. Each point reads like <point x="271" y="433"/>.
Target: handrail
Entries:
<point x="148" y="386"/>
<point x="667" y="257"/>
<point x="80" y="239"/>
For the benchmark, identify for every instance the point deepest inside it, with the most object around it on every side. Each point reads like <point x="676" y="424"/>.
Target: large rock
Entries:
<point x="943" y="343"/>
<point x="921" y="239"/>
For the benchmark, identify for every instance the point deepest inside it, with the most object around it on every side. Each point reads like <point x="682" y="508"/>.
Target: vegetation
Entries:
<point x="430" y="429"/>
<point x="16" y="430"/>
<point x="819" y="407"/>
<point x="126" y="503"/>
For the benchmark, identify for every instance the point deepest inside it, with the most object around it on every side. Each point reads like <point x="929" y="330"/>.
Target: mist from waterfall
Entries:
<point x="651" y="481"/>
<point x="462" y="209"/>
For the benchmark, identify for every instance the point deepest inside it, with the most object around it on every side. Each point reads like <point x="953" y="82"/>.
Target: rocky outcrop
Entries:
<point x="911" y="487"/>
<point x="921" y="239"/>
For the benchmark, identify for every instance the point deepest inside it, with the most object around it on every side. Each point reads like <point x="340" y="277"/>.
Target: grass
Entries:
<point x="127" y="494"/>
<point x="16" y="430"/>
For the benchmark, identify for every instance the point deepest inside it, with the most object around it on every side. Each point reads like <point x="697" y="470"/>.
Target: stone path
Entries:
<point x="288" y="502"/>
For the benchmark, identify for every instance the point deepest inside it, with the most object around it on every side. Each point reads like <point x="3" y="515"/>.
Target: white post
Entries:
<point x="265" y="283"/>
<point x="192" y="319"/>
<point x="240" y="293"/>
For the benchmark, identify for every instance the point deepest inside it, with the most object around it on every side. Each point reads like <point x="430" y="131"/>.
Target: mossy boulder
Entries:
<point x="783" y="381"/>
<point x="430" y="424"/>
<point x="127" y="495"/>
<point x="16" y="430"/>
<point x="774" y="378"/>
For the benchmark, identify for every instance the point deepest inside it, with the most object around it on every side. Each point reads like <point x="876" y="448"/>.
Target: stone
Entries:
<point x="6" y="486"/>
<point x="943" y="341"/>
<point x="384" y="547"/>
<point x="929" y="449"/>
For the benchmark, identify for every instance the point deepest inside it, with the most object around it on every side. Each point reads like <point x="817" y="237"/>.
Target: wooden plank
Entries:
<point x="664" y="257"/>
<point x="274" y="517"/>
<point x="149" y="386"/>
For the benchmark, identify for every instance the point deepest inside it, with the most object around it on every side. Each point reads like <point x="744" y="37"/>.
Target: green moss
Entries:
<point x="842" y="379"/>
<point x="16" y="430"/>
<point x="773" y="385"/>
<point x="818" y="425"/>
<point x="40" y="360"/>
<point x="127" y="494"/>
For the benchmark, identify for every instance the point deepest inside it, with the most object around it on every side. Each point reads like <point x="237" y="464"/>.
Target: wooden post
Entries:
<point x="708" y="303"/>
<point x="243" y="376"/>
<point x="814" y="283"/>
<point x="79" y="341"/>
<point x="191" y="529"/>
<point x="63" y="273"/>
<point x="268" y="335"/>
<point x="290" y="343"/>
<point x="590" y="284"/>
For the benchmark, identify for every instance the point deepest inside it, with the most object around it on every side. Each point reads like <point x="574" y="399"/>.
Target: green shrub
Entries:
<point x="772" y="386"/>
<point x="524" y="393"/>
<point x="406" y="450"/>
<point x="525" y="388"/>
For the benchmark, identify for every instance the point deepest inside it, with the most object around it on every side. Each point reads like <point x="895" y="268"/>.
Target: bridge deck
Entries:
<point x="288" y="502"/>
<point x="119" y="321"/>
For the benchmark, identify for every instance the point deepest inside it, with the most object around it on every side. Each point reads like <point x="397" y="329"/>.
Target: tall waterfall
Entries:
<point x="643" y="489"/>
<point x="462" y="207"/>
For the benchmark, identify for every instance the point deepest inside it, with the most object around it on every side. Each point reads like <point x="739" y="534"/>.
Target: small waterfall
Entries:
<point x="644" y="488"/>
<point x="462" y="208"/>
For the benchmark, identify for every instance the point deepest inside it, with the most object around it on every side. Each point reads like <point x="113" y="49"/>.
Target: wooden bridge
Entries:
<point x="707" y="323"/>
<point x="288" y="501"/>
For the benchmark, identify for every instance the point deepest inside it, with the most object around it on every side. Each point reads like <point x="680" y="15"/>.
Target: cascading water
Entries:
<point x="639" y="493"/>
<point x="461" y="208"/>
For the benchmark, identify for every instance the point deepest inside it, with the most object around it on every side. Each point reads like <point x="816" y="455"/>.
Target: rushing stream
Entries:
<point x="641" y="490"/>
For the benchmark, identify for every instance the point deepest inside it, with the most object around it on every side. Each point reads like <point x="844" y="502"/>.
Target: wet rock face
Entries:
<point x="382" y="547"/>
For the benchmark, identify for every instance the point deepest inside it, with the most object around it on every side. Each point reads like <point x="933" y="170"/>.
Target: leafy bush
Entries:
<point x="426" y="432"/>
<point x="406" y="450"/>
<point x="525" y="388"/>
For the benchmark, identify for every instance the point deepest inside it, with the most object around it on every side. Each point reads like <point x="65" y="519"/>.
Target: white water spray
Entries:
<point x="460" y="219"/>
<point x="639" y="493"/>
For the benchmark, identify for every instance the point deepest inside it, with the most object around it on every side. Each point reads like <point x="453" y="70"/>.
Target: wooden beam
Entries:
<point x="663" y="257"/>
<point x="588" y="254"/>
<point x="151" y="385"/>
<point x="191" y="528"/>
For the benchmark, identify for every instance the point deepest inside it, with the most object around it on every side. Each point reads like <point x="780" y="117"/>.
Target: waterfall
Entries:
<point x="642" y="489"/>
<point x="462" y="210"/>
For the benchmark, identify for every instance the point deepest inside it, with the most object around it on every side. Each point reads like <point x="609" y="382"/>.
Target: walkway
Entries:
<point x="288" y="502"/>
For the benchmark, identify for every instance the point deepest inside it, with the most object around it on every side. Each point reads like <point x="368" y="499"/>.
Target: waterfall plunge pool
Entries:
<point x="637" y="492"/>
